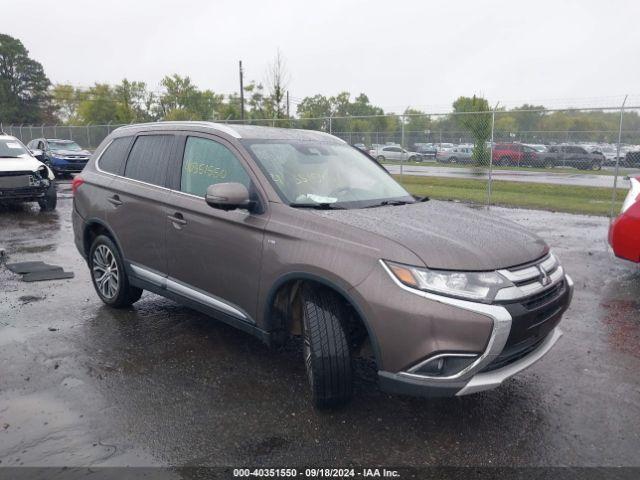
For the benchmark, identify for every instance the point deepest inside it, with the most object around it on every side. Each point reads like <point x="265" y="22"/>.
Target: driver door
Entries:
<point x="214" y="256"/>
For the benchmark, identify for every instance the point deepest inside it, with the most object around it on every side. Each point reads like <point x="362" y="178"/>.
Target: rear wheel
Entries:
<point x="108" y="274"/>
<point x="326" y="348"/>
<point x="596" y="165"/>
<point x="49" y="202"/>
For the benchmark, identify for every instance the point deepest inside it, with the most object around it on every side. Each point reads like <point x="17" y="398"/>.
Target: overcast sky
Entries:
<point x="418" y="53"/>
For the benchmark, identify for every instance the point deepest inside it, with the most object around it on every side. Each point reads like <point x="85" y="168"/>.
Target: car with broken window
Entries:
<point x="288" y="234"/>
<point x="23" y="178"/>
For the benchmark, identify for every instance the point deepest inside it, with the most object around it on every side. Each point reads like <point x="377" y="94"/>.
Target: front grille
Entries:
<point x="541" y="298"/>
<point x="15" y="174"/>
<point x="514" y="353"/>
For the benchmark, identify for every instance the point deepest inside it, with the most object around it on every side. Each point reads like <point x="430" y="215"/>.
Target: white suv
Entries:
<point x="23" y="178"/>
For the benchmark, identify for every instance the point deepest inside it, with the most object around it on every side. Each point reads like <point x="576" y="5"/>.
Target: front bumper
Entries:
<point x="505" y="354"/>
<point x="67" y="166"/>
<point x="25" y="194"/>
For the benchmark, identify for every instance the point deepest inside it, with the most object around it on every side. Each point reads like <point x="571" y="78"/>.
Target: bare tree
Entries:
<point x="277" y="82"/>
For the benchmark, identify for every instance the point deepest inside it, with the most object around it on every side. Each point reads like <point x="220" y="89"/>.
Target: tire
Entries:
<point x="411" y="159"/>
<point x="115" y="291"/>
<point x="596" y="166"/>
<point x="326" y="348"/>
<point x="504" y="161"/>
<point x="49" y="202"/>
<point x="381" y="158"/>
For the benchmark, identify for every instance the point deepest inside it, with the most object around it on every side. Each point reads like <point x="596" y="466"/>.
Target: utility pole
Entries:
<point x="241" y="93"/>
<point x="287" y="103"/>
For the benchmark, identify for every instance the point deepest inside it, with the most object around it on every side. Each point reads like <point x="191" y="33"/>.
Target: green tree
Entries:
<point x="98" y="105"/>
<point x="24" y="96"/>
<point x="474" y="115"/>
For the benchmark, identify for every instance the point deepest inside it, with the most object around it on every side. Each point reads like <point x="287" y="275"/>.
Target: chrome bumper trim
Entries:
<point x="493" y="379"/>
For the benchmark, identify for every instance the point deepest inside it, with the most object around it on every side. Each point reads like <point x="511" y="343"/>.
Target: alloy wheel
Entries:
<point x="105" y="272"/>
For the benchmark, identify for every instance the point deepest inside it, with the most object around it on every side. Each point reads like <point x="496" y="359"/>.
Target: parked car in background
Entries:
<point x="361" y="146"/>
<point x="508" y="154"/>
<point x="62" y="156"/>
<point x="394" y="153"/>
<point x="537" y="156"/>
<point x="455" y="155"/>
<point x="285" y="233"/>
<point x="426" y="150"/>
<point x="576" y="156"/>
<point x="624" y="232"/>
<point x="23" y="178"/>
<point x="631" y="159"/>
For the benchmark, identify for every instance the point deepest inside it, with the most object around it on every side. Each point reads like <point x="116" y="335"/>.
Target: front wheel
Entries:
<point x="596" y="166"/>
<point x="108" y="274"/>
<point x="381" y="158"/>
<point x="49" y="202"/>
<point x="326" y="348"/>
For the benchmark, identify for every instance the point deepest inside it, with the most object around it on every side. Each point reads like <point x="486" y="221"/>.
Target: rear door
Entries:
<point x="214" y="255"/>
<point x="137" y="203"/>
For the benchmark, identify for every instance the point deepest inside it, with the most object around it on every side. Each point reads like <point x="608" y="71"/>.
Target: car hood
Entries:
<point x="57" y="153"/>
<point x="22" y="164"/>
<point x="447" y="235"/>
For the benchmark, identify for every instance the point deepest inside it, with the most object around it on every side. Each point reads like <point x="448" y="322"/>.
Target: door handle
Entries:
<point x="115" y="201"/>
<point x="177" y="219"/>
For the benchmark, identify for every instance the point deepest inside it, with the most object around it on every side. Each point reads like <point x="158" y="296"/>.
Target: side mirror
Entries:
<point x="39" y="154"/>
<point x="227" y="196"/>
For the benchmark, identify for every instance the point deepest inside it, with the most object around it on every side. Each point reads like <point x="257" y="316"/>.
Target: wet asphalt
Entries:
<point x="159" y="384"/>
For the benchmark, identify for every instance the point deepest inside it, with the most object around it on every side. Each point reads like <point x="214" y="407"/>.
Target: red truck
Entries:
<point x="624" y="233"/>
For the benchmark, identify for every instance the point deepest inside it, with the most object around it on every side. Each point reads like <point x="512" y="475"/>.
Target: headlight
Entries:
<point x="478" y="286"/>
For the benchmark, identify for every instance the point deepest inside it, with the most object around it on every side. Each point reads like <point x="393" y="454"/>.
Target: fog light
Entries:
<point x="444" y="365"/>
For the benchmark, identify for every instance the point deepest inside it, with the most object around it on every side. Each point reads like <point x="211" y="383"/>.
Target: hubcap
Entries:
<point x="105" y="272"/>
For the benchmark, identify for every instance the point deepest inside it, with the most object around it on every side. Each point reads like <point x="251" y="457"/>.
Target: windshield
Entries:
<point x="63" y="145"/>
<point x="12" y="148"/>
<point x="335" y="175"/>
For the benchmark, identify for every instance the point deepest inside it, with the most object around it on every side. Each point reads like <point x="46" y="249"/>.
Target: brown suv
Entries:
<point x="285" y="232"/>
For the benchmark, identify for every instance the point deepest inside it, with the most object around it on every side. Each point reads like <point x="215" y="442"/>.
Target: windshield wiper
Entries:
<point x="317" y="206"/>
<point x="387" y="203"/>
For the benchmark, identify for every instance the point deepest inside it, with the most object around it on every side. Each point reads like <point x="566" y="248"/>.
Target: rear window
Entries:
<point x="149" y="158"/>
<point x="112" y="159"/>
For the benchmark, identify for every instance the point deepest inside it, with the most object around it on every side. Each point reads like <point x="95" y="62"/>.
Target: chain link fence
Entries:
<point x="492" y="157"/>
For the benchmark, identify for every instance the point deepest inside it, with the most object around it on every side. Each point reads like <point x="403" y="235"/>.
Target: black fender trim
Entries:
<point x="345" y="294"/>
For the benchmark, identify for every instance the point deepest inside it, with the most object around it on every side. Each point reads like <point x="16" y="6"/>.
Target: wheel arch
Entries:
<point x="94" y="227"/>
<point x="274" y="324"/>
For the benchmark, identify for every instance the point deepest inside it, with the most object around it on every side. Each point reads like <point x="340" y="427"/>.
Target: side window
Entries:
<point x="112" y="159"/>
<point x="207" y="162"/>
<point x="149" y="157"/>
<point x="40" y="145"/>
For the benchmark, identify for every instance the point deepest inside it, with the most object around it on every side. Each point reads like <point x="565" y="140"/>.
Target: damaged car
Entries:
<point x="23" y="178"/>
<point x="284" y="233"/>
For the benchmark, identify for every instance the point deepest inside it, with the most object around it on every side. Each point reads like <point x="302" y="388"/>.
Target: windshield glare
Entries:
<point x="10" y="148"/>
<point x="305" y="172"/>
<point x="64" y="145"/>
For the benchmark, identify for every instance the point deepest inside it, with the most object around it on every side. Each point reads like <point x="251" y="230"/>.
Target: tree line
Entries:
<point x="27" y="96"/>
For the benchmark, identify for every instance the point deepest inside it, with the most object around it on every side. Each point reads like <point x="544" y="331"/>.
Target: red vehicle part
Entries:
<point x="508" y="154"/>
<point x="624" y="233"/>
